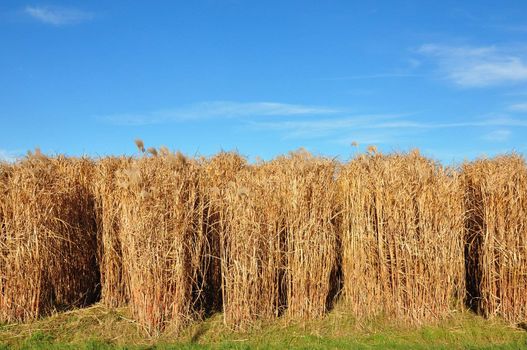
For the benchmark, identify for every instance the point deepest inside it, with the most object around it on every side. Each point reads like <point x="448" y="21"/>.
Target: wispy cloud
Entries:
<point x="324" y="127"/>
<point x="323" y="123"/>
<point x="376" y="76"/>
<point x="500" y="135"/>
<point x="516" y="93"/>
<point x="58" y="16"/>
<point x="469" y="66"/>
<point x="513" y="27"/>
<point x="369" y="137"/>
<point x="7" y="156"/>
<point x="217" y="109"/>
<point x="518" y="107"/>
<point x="380" y="128"/>
<point x="381" y="121"/>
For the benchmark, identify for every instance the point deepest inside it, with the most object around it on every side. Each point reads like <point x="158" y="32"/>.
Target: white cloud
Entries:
<point x="7" y="156"/>
<point x="381" y="121"/>
<point x="514" y="28"/>
<point x="499" y="135"/>
<point x="218" y="109"/>
<point x="366" y="138"/>
<point x="323" y="127"/>
<point x="381" y="128"/>
<point x="478" y="66"/>
<point x="518" y="107"/>
<point x="413" y="63"/>
<point x="376" y="76"/>
<point x="516" y="93"/>
<point x="58" y="16"/>
<point x="294" y="121"/>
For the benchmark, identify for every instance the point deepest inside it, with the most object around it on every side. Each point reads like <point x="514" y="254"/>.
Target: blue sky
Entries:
<point x="264" y="77"/>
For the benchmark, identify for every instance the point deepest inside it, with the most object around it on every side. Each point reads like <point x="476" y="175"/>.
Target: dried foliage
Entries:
<point x="108" y="190"/>
<point x="308" y="195"/>
<point x="279" y="239"/>
<point x="48" y="237"/>
<point x="140" y="145"/>
<point x="219" y="172"/>
<point x="496" y="236"/>
<point x="177" y="239"/>
<point x="162" y="239"/>
<point x="402" y="237"/>
<point x="250" y="247"/>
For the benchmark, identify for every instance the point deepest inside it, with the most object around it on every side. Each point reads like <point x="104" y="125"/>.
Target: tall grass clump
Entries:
<point x="219" y="173"/>
<point x="177" y="239"/>
<point x="496" y="236"/>
<point x="48" y="237"/>
<point x="107" y="189"/>
<point x="162" y="239"/>
<point x="308" y="195"/>
<point x="5" y="172"/>
<point x="402" y="237"/>
<point x="279" y="240"/>
<point x="251" y="247"/>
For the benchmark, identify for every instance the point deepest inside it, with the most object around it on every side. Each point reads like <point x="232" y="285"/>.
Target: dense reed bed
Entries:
<point x="217" y="178"/>
<point x="48" y="237"/>
<point x="308" y="195"/>
<point x="279" y="239"/>
<point x="496" y="236"/>
<point x="107" y="190"/>
<point x="162" y="239"/>
<point x="251" y="255"/>
<point x="177" y="238"/>
<point x="402" y="237"/>
<point x="159" y="230"/>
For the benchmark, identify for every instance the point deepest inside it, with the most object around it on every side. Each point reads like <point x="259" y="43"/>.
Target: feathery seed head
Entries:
<point x="140" y="145"/>
<point x="152" y="151"/>
<point x="164" y="151"/>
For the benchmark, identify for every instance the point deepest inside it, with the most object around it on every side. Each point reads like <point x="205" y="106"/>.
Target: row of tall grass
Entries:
<point x="179" y="238"/>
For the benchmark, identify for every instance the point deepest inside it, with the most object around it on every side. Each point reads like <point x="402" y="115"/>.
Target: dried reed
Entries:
<point x="279" y="239"/>
<point x="402" y="237"/>
<point x="48" y="237"/>
<point x="179" y="238"/>
<point x="308" y="196"/>
<point x="162" y="241"/>
<point x="496" y="236"/>
<point x="252" y="247"/>
<point x="108" y="190"/>
<point x="219" y="172"/>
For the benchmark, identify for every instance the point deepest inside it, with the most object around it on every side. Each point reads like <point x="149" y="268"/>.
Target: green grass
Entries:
<point x="98" y="327"/>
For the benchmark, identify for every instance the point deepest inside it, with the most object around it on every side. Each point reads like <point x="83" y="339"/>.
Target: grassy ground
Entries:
<point x="100" y="328"/>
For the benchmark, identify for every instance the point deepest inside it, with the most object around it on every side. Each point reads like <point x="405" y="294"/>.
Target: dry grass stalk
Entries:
<point x="107" y="189"/>
<point x="152" y="151"/>
<point x="496" y="236"/>
<point x="279" y="238"/>
<point x="219" y="172"/>
<point x="308" y="196"/>
<point x="48" y="237"/>
<point x="252" y="247"/>
<point x="162" y="240"/>
<point x="140" y="145"/>
<point x="402" y="237"/>
<point x="179" y="238"/>
<point x="5" y="173"/>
